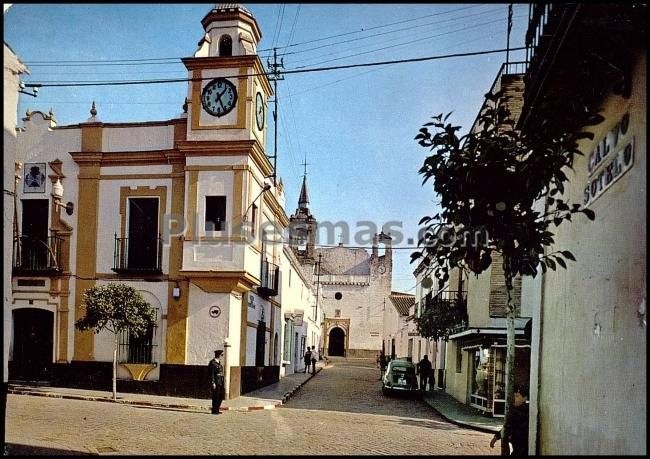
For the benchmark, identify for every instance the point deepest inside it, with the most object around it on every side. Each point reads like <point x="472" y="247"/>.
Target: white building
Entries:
<point x="181" y="209"/>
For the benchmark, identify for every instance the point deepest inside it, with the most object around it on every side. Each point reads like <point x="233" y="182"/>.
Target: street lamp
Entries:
<point x="57" y="195"/>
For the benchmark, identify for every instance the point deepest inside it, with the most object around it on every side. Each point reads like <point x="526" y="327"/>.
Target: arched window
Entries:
<point x="225" y="46"/>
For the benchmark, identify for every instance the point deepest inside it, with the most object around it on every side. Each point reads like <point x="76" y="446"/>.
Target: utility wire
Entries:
<point x="176" y="60"/>
<point x="371" y="28"/>
<point x="390" y="32"/>
<point x="284" y="72"/>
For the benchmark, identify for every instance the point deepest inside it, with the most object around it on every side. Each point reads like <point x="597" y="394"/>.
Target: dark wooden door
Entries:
<point x="260" y="346"/>
<point x="33" y="344"/>
<point x="143" y="234"/>
<point x="34" y="251"/>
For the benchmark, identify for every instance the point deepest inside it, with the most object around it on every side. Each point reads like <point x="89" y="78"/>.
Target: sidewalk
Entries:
<point x="265" y="398"/>
<point x="458" y="413"/>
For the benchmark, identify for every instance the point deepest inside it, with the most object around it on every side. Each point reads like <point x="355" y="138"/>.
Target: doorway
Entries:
<point x="260" y="345"/>
<point x="33" y="344"/>
<point x="336" y="346"/>
<point x="34" y="255"/>
<point x="143" y="234"/>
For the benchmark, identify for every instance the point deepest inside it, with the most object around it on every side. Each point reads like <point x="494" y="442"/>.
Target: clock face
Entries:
<point x="259" y="111"/>
<point x="219" y="97"/>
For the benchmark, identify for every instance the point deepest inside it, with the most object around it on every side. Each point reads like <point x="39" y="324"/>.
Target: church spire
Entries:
<point x="303" y="201"/>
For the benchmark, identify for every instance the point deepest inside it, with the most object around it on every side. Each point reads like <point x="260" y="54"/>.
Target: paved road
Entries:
<point x="340" y="411"/>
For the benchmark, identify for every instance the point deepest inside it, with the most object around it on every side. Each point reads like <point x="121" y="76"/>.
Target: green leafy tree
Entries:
<point x="116" y="307"/>
<point x="500" y="193"/>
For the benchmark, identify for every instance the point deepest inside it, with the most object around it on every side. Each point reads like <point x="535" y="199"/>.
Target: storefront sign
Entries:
<point x="612" y="157"/>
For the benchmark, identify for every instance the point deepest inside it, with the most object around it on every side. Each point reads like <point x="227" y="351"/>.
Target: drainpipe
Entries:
<point x="226" y="366"/>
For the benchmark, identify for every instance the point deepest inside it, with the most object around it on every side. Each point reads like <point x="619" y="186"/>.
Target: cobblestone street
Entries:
<point x="340" y="411"/>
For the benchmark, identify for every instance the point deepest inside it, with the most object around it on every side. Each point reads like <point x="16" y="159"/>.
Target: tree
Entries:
<point x="116" y="307"/>
<point x="492" y="183"/>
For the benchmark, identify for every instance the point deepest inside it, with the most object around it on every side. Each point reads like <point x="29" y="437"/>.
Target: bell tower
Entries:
<point x="228" y="93"/>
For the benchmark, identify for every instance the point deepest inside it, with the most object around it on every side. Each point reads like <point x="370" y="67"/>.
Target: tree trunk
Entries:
<point x="510" y="356"/>
<point x="115" y="368"/>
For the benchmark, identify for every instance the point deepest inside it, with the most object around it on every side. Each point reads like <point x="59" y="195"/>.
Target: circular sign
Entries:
<point x="215" y="311"/>
<point x="427" y="282"/>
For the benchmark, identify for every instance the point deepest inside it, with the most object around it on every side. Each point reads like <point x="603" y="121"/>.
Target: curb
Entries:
<point x="460" y="423"/>
<point x="193" y="408"/>
<point x="289" y="394"/>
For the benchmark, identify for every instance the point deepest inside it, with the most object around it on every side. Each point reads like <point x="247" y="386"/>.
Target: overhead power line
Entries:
<point x="284" y="72"/>
<point x="370" y="28"/>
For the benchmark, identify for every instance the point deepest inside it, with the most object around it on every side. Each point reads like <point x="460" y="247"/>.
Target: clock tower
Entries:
<point x="229" y="91"/>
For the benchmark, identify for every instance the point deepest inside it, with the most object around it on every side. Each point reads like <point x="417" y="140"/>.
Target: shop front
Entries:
<point x="486" y="376"/>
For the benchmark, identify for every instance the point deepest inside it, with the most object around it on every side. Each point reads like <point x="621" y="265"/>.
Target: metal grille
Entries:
<point x="142" y="349"/>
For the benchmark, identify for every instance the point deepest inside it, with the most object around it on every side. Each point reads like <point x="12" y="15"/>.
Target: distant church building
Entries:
<point x="354" y="285"/>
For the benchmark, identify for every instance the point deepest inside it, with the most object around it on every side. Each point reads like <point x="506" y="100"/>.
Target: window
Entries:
<point x="290" y="278"/>
<point x="138" y="349"/>
<point x="459" y="359"/>
<point x="225" y="46"/>
<point x="215" y="213"/>
<point x="337" y="313"/>
<point x="254" y="221"/>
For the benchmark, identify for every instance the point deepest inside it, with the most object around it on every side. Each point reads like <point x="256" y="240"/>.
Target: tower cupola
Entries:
<point x="230" y="30"/>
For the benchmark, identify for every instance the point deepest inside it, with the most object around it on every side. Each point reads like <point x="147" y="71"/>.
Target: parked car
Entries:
<point x="400" y="378"/>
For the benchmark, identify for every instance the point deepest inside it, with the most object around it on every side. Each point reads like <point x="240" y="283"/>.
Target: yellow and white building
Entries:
<point x="187" y="211"/>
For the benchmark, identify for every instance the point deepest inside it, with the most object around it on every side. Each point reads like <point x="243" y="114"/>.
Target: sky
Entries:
<point x="354" y="127"/>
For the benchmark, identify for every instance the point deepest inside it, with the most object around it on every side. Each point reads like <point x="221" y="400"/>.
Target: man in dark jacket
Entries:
<point x="517" y="424"/>
<point x="425" y="369"/>
<point x="215" y="371"/>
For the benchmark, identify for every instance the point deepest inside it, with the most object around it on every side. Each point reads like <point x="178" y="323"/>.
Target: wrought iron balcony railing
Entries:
<point x="452" y="305"/>
<point x="143" y="255"/>
<point x="269" y="279"/>
<point x="37" y="257"/>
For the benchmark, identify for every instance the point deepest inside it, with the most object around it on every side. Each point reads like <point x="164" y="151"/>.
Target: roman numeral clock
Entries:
<point x="219" y="97"/>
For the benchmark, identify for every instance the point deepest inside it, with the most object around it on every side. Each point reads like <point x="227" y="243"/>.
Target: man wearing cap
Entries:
<point x="215" y="370"/>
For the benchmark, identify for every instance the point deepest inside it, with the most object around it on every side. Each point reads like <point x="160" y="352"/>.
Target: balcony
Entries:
<point x="137" y="256"/>
<point x="577" y="54"/>
<point x="37" y="257"/>
<point x="269" y="279"/>
<point x="451" y="307"/>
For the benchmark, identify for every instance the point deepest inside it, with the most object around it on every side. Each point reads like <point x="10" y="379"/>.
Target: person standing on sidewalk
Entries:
<point x="382" y="364"/>
<point x="215" y="371"/>
<point x="313" y="360"/>
<point x="307" y="359"/>
<point x="517" y="424"/>
<point x="424" y="368"/>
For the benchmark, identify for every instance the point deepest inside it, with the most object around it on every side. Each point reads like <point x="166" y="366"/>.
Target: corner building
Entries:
<point x="178" y="209"/>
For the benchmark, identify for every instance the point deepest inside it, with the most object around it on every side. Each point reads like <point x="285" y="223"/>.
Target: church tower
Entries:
<point x="302" y="228"/>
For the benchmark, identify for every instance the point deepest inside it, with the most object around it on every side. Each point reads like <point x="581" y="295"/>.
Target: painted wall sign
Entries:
<point x="215" y="311"/>
<point x="612" y="157"/>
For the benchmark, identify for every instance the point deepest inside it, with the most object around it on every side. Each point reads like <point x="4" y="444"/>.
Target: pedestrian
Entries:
<point x="307" y="359"/>
<point x="516" y="424"/>
<point x="313" y="360"/>
<point x="424" y="368"/>
<point x="215" y="370"/>
<point x="382" y="363"/>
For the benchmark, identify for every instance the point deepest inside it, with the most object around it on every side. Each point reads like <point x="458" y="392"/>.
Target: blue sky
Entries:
<point x="354" y="126"/>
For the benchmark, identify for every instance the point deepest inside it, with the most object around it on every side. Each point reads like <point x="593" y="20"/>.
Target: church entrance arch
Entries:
<point x="336" y="340"/>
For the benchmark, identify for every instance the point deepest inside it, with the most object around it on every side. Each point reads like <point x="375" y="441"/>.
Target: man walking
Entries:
<point x="313" y="360"/>
<point x="424" y="368"/>
<point x="215" y="371"/>
<point x="307" y="359"/>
